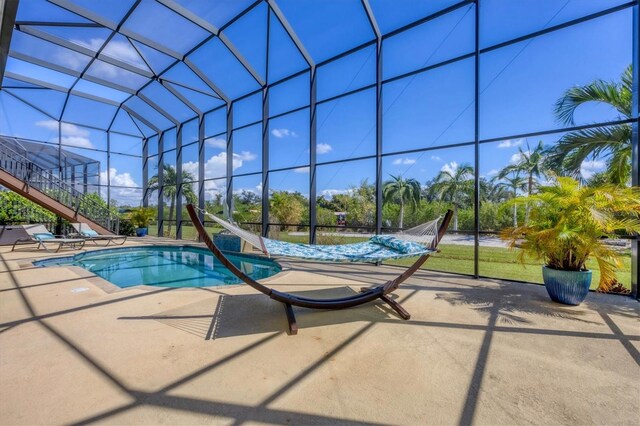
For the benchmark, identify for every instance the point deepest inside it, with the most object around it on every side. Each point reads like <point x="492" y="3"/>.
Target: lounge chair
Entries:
<point x="353" y="253"/>
<point x="84" y="231"/>
<point x="39" y="234"/>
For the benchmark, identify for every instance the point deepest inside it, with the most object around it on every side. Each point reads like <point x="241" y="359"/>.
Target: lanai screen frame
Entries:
<point x="228" y="107"/>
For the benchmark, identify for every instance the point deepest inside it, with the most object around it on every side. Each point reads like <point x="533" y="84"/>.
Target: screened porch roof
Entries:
<point x="143" y="66"/>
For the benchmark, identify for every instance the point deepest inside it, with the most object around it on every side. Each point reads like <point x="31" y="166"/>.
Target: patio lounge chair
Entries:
<point x="354" y="254"/>
<point x="84" y="231"/>
<point x="38" y="234"/>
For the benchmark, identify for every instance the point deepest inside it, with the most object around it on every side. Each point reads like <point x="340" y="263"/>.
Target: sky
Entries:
<point x="519" y="85"/>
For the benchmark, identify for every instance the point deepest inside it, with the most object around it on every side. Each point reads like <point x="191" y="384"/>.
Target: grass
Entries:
<point x="495" y="262"/>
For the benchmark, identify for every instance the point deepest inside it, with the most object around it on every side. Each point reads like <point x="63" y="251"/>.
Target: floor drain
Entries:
<point x="79" y="289"/>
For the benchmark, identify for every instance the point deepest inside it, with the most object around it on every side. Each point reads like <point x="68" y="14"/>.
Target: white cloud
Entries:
<point x="216" y="143"/>
<point x="404" y="161"/>
<point x="216" y="165"/>
<point x="515" y="158"/>
<point x="323" y="148"/>
<point x="212" y="188"/>
<point x="282" y="133"/>
<point x="301" y="170"/>
<point x="244" y="156"/>
<point x="436" y="158"/>
<point x="123" y="188"/>
<point x="120" y="50"/>
<point x="493" y="172"/>
<point x="450" y="167"/>
<point x="190" y="167"/>
<point x="510" y="143"/>
<point x="72" y="135"/>
<point x="329" y="193"/>
<point x="118" y="179"/>
<point x="590" y="167"/>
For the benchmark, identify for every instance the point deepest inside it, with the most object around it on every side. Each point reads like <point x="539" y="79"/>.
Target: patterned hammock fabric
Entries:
<point x="412" y="243"/>
<point x="367" y="251"/>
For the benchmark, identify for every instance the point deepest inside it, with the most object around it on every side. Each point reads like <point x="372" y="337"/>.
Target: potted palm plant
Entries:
<point x="141" y="217"/>
<point x="568" y="225"/>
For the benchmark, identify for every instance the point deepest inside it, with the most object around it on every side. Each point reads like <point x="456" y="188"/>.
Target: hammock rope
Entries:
<point x="418" y="240"/>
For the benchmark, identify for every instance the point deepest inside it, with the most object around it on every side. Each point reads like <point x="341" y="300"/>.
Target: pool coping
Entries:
<point x="110" y="288"/>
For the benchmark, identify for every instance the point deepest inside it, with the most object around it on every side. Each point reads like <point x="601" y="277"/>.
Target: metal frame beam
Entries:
<point x="476" y="168"/>
<point x="201" y="161"/>
<point x="141" y="118"/>
<point x="273" y="6"/>
<point x="87" y="14"/>
<point x="82" y="50"/>
<point x="182" y="98"/>
<point x="160" y="184"/>
<point x="144" y="98"/>
<point x="313" y="154"/>
<point x="10" y="93"/>
<point x="265" y="142"/>
<point x="71" y="72"/>
<point x="179" y="182"/>
<point x="635" y="136"/>
<point x="145" y="172"/>
<point x="207" y="26"/>
<point x="265" y="162"/>
<point x="230" y="160"/>
<point x="376" y="30"/>
<point x="9" y="10"/>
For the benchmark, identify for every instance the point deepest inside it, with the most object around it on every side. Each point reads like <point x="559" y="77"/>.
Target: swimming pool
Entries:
<point x="165" y="266"/>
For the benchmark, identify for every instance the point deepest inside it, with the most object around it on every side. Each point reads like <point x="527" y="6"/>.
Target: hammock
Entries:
<point x="416" y="241"/>
<point x="289" y="300"/>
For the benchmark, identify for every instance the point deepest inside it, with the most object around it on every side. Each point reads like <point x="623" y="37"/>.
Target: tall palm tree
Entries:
<point x="169" y="178"/>
<point x="514" y="183"/>
<point x="532" y="164"/>
<point x="612" y="143"/>
<point x="454" y="186"/>
<point x="403" y="191"/>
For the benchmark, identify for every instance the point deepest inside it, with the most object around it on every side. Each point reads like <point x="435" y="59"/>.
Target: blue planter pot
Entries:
<point x="141" y="232"/>
<point x="568" y="287"/>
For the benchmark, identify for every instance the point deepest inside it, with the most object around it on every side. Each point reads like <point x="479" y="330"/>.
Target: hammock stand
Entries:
<point x="366" y="295"/>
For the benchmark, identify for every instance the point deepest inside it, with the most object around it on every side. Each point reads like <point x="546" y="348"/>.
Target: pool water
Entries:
<point x="165" y="266"/>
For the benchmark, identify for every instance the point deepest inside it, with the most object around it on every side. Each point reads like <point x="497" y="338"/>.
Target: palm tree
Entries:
<point x="610" y="142"/>
<point x="491" y="192"/>
<point x="454" y="186"/>
<point x="513" y="182"/>
<point x="169" y="178"/>
<point x="532" y="164"/>
<point x="403" y="191"/>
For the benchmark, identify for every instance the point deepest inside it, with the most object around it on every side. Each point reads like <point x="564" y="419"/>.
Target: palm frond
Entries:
<point x="577" y="146"/>
<point x="597" y="91"/>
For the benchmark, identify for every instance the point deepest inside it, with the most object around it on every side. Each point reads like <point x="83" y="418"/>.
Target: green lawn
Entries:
<point x="495" y="262"/>
<point x="499" y="262"/>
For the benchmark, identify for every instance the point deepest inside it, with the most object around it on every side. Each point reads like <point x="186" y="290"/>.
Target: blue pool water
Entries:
<point x="165" y="266"/>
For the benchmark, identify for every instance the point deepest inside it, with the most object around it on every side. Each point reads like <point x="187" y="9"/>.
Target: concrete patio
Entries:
<point x="474" y="351"/>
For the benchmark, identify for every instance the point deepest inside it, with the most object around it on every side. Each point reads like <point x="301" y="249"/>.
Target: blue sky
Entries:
<point x="519" y="85"/>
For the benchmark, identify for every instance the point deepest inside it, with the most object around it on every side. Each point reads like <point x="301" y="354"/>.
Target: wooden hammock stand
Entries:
<point x="366" y="295"/>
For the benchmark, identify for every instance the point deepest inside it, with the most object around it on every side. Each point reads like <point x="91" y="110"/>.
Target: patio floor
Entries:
<point x="474" y="351"/>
